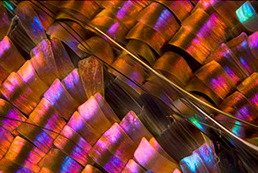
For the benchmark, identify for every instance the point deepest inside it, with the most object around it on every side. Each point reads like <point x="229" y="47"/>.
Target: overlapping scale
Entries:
<point x="6" y="139"/>
<point x="202" y="160"/>
<point x="193" y="46"/>
<point x="245" y="58"/>
<point x="106" y="109"/>
<point x="150" y="34"/>
<point x="114" y="146"/>
<point x="154" y="143"/>
<point x="93" y="115"/>
<point x="43" y="62"/>
<point x="155" y="22"/>
<point x="237" y="105"/>
<point x="150" y="159"/>
<point x="134" y="128"/>
<point x="216" y="79"/>
<point x="79" y="125"/>
<point x="90" y="169"/>
<point x="64" y="164"/>
<point x="73" y="145"/>
<point x="58" y="96"/>
<point x="10" y="58"/>
<point x="142" y="49"/>
<point x="133" y="166"/>
<point x="132" y="70"/>
<point x="11" y="118"/>
<point x="160" y="19"/>
<point x="74" y="86"/>
<point x="9" y="167"/>
<point x="204" y="27"/>
<point x="108" y="22"/>
<point x="248" y="16"/>
<point x="193" y="163"/>
<point x="249" y="89"/>
<point x="174" y="67"/>
<point x="223" y="9"/>
<point x="47" y="118"/>
<point x="94" y="44"/>
<point x="181" y="9"/>
<point x="82" y="11"/>
<point x="226" y="58"/>
<point x="23" y="153"/>
<point x="125" y="11"/>
<point x="30" y="77"/>
<point x="103" y="157"/>
<point x="36" y="136"/>
<point x="19" y="93"/>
